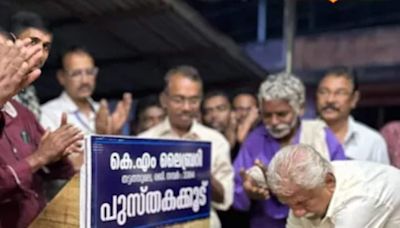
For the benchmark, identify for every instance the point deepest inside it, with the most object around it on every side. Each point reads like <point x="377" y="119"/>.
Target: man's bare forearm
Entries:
<point x="217" y="191"/>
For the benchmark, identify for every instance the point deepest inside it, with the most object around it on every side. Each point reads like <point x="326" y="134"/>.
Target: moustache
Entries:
<point x="331" y="107"/>
<point x="192" y="115"/>
<point x="85" y="87"/>
<point x="279" y="127"/>
<point x="279" y="131"/>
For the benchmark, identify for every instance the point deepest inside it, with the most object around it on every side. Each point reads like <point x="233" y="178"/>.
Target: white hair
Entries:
<point x="283" y="86"/>
<point x="297" y="165"/>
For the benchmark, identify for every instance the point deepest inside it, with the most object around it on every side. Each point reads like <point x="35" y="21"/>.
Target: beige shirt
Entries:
<point x="366" y="196"/>
<point x="221" y="167"/>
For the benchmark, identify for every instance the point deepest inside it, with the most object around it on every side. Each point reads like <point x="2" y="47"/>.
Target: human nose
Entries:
<point x="212" y="113"/>
<point x="186" y="104"/>
<point x="240" y="112"/>
<point x="42" y="51"/>
<point x="85" y="77"/>
<point x="274" y="120"/>
<point x="331" y="97"/>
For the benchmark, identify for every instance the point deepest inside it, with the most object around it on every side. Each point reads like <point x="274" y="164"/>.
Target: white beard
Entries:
<point x="281" y="130"/>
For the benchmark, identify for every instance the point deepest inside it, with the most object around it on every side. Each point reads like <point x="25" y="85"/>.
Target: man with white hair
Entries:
<point x="340" y="194"/>
<point x="281" y="101"/>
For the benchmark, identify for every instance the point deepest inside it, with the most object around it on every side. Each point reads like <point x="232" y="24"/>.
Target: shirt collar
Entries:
<point x="70" y="105"/>
<point x="166" y="129"/>
<point x="352" y="131"/>
<point x="335" y="204"/>
<point x="9" y="109"/>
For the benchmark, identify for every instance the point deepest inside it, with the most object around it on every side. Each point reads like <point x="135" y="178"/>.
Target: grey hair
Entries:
<point x="297" y="165"/>
<point x="283" y="86"/>
<point x="186" y="71"/>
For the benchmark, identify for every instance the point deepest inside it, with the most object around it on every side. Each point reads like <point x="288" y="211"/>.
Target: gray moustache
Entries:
<point x="85" y="88"/>
<point x="330" y="108"/>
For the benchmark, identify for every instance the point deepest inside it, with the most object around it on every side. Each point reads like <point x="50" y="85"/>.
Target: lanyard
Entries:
<point x="83" y="123"/>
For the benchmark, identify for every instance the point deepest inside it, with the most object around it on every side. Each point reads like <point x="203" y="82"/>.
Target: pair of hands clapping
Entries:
<point x="67" y="139"/>
<point x="58" y="144"/>
<point x="19" y="67"/>
<point x="112" y="123"/>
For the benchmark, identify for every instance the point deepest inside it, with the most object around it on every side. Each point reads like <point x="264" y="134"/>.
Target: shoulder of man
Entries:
<point x="210" y="134"/>
<point x="52" y="105"/>
<point x="316" y="123"/>
<point x="24" y="113"/>
<point x="153" y="132"/>
<point x="20" y="108"/>
<point x="372" y="134"/>
<point x="258" y="131"/>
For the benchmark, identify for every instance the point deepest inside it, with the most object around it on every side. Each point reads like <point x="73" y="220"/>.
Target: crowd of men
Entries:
<point x="304" y="188"/>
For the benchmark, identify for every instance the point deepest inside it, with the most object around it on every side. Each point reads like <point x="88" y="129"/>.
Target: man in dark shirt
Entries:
<point x="28" y="154"/>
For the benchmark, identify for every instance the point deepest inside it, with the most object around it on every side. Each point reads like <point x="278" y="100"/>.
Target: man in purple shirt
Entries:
<point x="281" y="100"/>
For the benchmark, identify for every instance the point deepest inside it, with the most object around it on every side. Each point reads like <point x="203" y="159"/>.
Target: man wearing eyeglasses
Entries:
<point x="337" y="95"/>
<point x="181" y="99"/>
<point x="78" y="78"/>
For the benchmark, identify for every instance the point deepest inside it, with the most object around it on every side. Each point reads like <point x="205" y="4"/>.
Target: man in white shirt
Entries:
<point x="78" y="77"/>
<point x="340" y="194"/>
<point x="181" y="99"/>
<point x="337" y="95"/>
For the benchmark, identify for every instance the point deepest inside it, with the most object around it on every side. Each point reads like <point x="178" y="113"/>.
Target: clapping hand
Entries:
<point x="112" y="124"/>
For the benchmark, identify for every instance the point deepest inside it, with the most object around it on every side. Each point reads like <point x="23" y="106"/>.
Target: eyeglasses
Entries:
<point x="180" y="100"/>
<point x="243" y="109"/>
<point x="338" y="93"/>
<point x="74" y="74"/>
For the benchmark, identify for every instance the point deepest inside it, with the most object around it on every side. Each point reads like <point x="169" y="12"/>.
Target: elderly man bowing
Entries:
<point x="338" y="194"/>
<point x="281" y="101"/>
